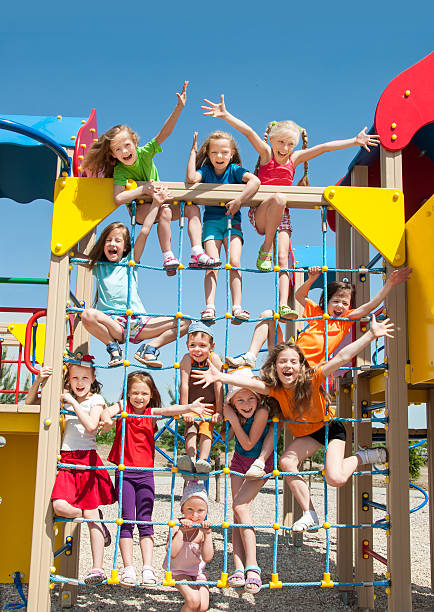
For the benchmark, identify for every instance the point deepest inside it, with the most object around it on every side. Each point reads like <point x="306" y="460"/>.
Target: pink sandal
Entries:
<point x="203" y="261"/>
<point x="208" y="314"/>
<point x="170" y="264"/>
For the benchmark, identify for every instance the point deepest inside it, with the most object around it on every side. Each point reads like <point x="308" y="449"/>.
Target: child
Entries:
<point x="79" y="492"/>
<point x="114" y="247"/>
<point x="276" y="166"/>
<point x="340" y="303"/>
<point x="288" y="377"/>
<point x="218" y="161"/>
<point x="143" y="399"/>
<point x="200" y="346"/>
<point x="192" y="548"/>
<point x="40" y="379"/>
<point x="116" y="154"/>
<point x="248" y="420"/>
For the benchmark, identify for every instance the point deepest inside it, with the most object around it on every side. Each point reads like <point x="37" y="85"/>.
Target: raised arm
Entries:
<point x="363" y="139"/>
<point x="212" y="375"/>
<point x="89" y="421"/>
<point x="193" y="176"/>
<point x="219" y="110"/>
<point x="302" y="292"/>
<point x="218" y="390"/>
<point x="198" y="407"/>
<point x="249" y="440"/>
<point x="252" y="186"/>
<point x="170" y="123"/>
<point x="377" y="330"/>
<point x="40" y="379"/>
<point x="396" y="278"/>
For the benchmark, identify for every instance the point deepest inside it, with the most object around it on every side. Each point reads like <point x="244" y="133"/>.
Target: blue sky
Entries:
<point x="323" y="65"/>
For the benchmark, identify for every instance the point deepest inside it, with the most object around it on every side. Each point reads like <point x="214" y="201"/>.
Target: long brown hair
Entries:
<point x="274" y="126"/>
<point x="303" y="385"/>
<point x="97" y="251"/>
<point x="202" y="155"/>
<point x="99" y="158"/>
<point x="95" y="387"/>
<point x="143" y="377"/>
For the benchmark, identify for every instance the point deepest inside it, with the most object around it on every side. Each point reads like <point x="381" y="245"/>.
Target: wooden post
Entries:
<point x="398" y="555"/>
<point x="362" y="432"/>
<point x="69" y="565"/>
<point x="43" y="533"/>
<point x="344" y="494"/>
<point x="344" y="409"/>
<point x="429" y="437"/>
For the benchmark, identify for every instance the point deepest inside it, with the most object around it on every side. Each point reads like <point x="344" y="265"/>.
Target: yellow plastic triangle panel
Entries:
<point x="377" y="214"/>
<point x="79" y="205"/>
<point x="18" y="330"/>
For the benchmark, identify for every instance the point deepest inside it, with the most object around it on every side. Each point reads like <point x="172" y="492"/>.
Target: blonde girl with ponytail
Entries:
<point x="276" y="166"/>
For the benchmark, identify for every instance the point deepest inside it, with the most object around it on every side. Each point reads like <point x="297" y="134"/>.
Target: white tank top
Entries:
<point x="75" y="436"/>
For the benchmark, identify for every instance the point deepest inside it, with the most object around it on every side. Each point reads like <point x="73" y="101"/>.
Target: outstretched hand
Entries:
<point x="232" y="208"/>
<point x="382" y="329"/>
<point x="367" y="140"/>
<point x="399" y="276"/>
<point x="182" y="97"/>
<point x="66" y="398"/>
<point x="217" y="110"/>
<point x="206" y="377"/>
<point x="201" y="409"/>
<point x="194" y="145"/>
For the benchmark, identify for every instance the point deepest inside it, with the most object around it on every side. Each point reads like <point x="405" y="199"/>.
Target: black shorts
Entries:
<point x="336" y="432"/>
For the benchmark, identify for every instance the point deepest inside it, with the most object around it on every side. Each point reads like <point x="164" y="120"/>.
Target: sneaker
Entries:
<point x="308" y="520"/>
<point x="256" y="470"/>
<point x="369" y="456"/>
<point x="203" y="466"/>
<point x="242" y="360"/>
<point x="95" y="576"/>
<point x="185" y="464"/>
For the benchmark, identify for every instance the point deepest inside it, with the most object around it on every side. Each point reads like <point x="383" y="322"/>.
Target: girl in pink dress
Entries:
<point x="276" y="166"/>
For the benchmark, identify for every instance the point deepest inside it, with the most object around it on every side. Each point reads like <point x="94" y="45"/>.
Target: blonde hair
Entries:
<point x="99" y="158"/>
<point x="273" y="128"/>
<point x="202" y="158"/>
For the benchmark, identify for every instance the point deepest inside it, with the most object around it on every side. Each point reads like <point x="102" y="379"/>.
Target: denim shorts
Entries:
<point x="216" y="229"/>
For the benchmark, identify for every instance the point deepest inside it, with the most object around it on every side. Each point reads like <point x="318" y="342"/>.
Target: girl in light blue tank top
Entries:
<point x="248" y="421"/>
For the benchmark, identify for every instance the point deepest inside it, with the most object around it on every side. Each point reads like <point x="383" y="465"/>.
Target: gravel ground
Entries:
<point x="294" y="564"/>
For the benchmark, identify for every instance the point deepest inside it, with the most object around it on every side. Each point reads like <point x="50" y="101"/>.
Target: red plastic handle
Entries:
<point x="28" y="339"/>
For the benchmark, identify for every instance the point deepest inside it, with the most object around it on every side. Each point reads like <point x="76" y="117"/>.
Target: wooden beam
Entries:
<point x="398" y="554"/>
<point x="43" y="533"/>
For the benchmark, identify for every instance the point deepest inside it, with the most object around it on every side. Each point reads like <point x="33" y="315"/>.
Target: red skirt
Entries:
<point x="84" y="489"/>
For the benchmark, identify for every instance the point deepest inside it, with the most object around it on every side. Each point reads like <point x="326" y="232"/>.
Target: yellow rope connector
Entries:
<point x="225" y="366"/>
<point x="276" y="316"/>
<point x="228" y="267"/>
<point x="114" y="578"/>
<point x="124" y="414"/>
<point x="130" y="185"/>
<point x="275" y="582"/>
<point x="276" y="269"/>
<point x="179" y="315"/>
<point x="275" y="473"/>
<point x="119" y="521"/>
<point x="52" y="585"/>
<point x="176" y="365"/>
<point x="171" y="523"/>
<point x="176" y="417"/>
<point x="175" y="202"/>
<point x="276" y="526"/>
<point x="53" y="569"/>
<point x="326" y="525"/>
<point x="223" y="582"/>
<point x="189" y="203"/>
<point x="327" y="418"/>
<point x="121" y="467"/>
<point x="228" y="315"/>
<point x="326" y="582"/>
<point x="180" y="267"/>
<point x="387" y="590"/>
<point x="128" y="311"/>
<point x="226" y="470"/>
<point x="324" y="269"/>
<point x="126" y="363"/>
<point x="174" y="469"/>
<point x="131" y="263"/>
<point x="326" y="315"/>
<point x="141" y="201"/>
<point x="168" y="580"/>
<point x="225" y="525"/>
<point x="388" y="575"/>
<point x="222" y="203"/>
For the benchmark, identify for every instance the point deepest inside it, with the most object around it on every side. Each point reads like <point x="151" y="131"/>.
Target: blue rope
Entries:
<point x="19" y="587"/>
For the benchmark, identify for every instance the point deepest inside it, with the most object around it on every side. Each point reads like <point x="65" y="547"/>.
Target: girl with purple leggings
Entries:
<point x="143" y="403"/>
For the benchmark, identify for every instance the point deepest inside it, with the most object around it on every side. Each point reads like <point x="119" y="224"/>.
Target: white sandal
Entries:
<point x="256" y="470"/>
<point x="128" y="576"/>
<point x="308" y="520"/>
<point x="208" y="314"/>
<point x="148" y="576"/>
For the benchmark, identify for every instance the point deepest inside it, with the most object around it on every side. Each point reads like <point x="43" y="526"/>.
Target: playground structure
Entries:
<point x="386" y="199"/>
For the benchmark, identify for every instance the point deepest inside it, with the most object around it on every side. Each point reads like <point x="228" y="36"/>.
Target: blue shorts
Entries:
<point x="216" y="229"/>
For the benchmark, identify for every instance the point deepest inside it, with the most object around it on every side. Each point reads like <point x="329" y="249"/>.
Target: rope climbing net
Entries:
<point x="172" y="425"/>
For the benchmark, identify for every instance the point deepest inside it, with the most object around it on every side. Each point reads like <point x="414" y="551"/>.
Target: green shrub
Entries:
<point x="416" y="460"/>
